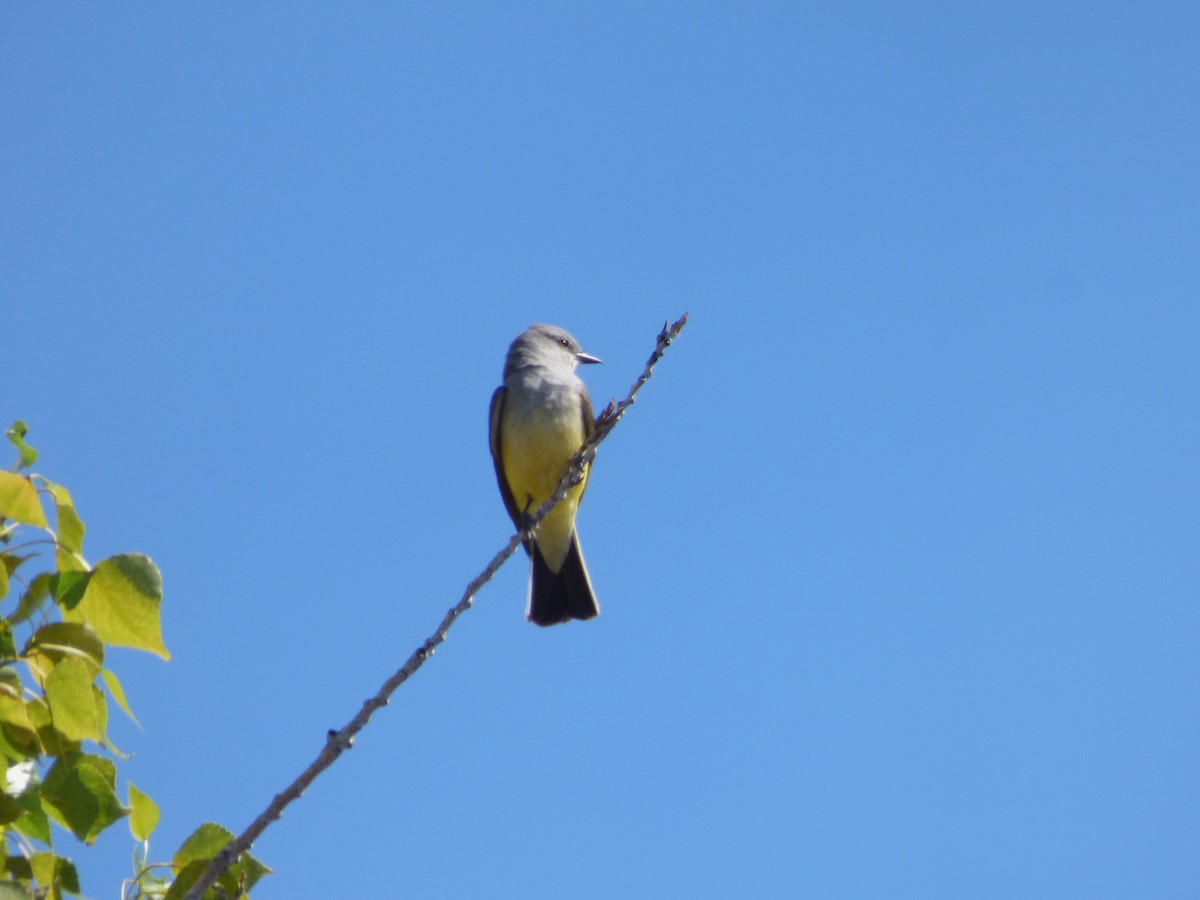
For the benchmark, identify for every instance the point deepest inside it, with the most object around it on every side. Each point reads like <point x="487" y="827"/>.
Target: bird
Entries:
<point x="539" y="418"/>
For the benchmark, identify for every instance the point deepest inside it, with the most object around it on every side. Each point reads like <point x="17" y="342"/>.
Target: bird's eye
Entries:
<point x="564" y="342"/>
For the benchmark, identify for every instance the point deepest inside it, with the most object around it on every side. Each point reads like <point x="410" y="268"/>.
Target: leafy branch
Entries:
<point x="74" y="612"/>
<point x="337" y="742"/>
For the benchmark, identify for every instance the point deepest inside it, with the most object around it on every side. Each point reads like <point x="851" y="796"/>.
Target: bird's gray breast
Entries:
<point x="538" y="393"/>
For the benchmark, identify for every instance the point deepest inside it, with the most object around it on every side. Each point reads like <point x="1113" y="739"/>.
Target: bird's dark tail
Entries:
<point x="560" y="596"/>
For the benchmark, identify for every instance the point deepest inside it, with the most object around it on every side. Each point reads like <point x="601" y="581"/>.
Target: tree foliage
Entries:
<point x="59" y="615"/>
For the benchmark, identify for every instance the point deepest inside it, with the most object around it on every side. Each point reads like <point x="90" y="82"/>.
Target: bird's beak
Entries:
<point x="586" y="358"/>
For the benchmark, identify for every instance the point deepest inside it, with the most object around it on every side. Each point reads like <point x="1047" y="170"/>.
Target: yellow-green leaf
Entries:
<point x="24" y="783"/>
<point x="144" y="818"/>
<point x="185" y="877"/>
<point x="101" y="699"/>
<point x="70" y="530"/>
<point x="53" y="741"/>
<point x="54" y="875"/>
<point x="16" y="434"/>
<point x="12" y="561"/>
<point x="121" y="603"/>
<point x="11" y="751"/>
<point x="61" y="639"/>
<point x="10" y="681"/>
<point x="16" y="724"/>
<point x="190" y="860"/>
<point x="114" y="687"/>
<point x="202" y="844"/>
<point x="34" y="824"/>
<point x="19" y="501"/>
<point x="12" y="890"/>
<point x="79" y="793"/>
<point x="33" y="599"/>
<point x="72" y="700"/>
<point x="247" y="871"/>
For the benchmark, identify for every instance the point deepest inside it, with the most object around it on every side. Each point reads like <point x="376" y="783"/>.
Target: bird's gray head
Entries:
<point x="545" y="345"/>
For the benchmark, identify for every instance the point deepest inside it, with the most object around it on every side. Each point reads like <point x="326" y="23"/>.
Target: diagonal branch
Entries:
<point x="337" y="742"/>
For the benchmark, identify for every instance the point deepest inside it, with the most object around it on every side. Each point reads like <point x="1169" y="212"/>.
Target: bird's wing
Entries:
<point x="589" y="425"/>
<point x="497" y="408"/>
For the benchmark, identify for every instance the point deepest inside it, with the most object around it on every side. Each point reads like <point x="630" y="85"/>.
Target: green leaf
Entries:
<point x="144" y="818"/>
<point x="8" y="647"/>
<point x="18" y="867"/>
<point x="34" y="824"/>
<point x="13" y="561"/>
<point x="200" y="849"/>
<point x="70" y="530"/>
<point x="11" y="890"/>
<point x="149" y="882"/>
<point x="53" y="741"/>
<point x="72" y="700"/>
<point x="9" y="563"/>
<point x="54" y="874"/>
<point x="247" y="871"/>
<point x="67" y="587"/>
<point x="118" y="694"/>
<point x="25" y="783"/>
<point x="184" y="879"/>
<point x="121" y="603"/>
<point x="193" y="857"/>
<point x="59" y="640"/>
<point x="102" y="722"/>
<point x="19" y="501"/>
<point x="32" y="600"/>
<point x="11" y="752"/>
<point x="79" y="793"/>
<point x="20" y="733"/>
<point x="202" y="845"/>
<point x="16" y="435"/>
<point x="10" y="809"/>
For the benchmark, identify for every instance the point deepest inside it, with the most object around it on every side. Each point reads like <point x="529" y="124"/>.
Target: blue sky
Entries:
<point x="897" y="553"/>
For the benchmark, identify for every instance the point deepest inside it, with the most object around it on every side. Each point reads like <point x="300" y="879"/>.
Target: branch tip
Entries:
<point x="344" y="739"/>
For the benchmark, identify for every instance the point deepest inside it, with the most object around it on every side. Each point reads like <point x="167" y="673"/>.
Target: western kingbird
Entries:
<point x="540" y="417"/>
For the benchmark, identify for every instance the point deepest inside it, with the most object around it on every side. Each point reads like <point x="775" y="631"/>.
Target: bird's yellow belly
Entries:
<point x="535" y="452"/>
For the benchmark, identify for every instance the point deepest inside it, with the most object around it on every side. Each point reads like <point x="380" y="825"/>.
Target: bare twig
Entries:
<point x="337" y="742"/>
